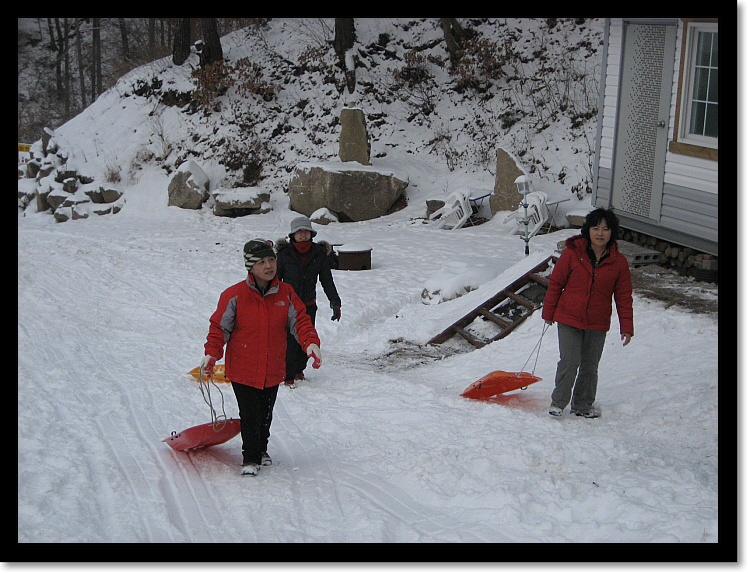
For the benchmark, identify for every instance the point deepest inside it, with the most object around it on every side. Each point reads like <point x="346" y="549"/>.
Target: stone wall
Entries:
<point x="684" y="260"/>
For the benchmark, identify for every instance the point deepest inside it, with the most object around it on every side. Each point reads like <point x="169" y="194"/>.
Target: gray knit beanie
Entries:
<point x="256" y="250"/>
<point x="301" y="224"/>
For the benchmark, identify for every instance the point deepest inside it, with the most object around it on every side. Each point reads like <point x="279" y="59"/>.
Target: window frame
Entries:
<point x="684" y="143"/>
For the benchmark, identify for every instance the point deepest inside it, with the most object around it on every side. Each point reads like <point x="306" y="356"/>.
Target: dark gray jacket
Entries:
<point x="303" y="279"/>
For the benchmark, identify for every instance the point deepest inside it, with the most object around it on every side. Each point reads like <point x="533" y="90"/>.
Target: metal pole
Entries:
<point x="527" y="227"/>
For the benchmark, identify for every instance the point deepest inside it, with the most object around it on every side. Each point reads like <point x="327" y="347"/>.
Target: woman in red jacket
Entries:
<point x="588" y="275"/>
<point x="252" y="319"/>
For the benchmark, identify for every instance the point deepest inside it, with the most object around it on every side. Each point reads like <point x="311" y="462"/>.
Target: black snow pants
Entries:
<point x="256" y="413"/>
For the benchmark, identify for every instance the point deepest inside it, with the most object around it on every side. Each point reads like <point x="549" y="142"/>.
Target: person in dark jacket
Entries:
<point x="301" y="262"/>
<point x="252" y="320"/>
<point x="588" y="275"/>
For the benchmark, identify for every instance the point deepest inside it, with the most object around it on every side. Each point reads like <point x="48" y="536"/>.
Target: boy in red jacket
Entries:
<point x="252" y="319"/>
<point x="588" y="275"/>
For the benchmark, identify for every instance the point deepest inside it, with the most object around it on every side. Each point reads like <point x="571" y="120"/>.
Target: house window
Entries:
<point x="698" y="116"/>
<point x="702" y="108"/>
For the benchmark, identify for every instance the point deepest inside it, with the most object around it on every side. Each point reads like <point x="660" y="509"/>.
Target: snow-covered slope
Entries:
<point x="533" y="110"/>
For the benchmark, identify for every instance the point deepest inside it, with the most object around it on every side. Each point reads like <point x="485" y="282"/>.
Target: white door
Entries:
<point x="643" y="112"/>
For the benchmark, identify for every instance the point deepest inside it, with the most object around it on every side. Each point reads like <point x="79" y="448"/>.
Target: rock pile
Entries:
<point x="58" y="187"/>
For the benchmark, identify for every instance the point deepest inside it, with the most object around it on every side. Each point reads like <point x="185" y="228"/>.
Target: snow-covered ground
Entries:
<point x="112" y="313"/>
<point x="377" y="445"/>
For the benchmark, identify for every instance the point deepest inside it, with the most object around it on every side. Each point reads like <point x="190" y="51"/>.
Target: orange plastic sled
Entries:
<point x="204" y="435"/>
<point x="498" y="382"/>
<point x="219" y="374"/>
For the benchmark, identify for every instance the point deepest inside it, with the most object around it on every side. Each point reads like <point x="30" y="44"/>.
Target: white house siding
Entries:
<point x="689" y="200"/>
<point x="610" y="103"/>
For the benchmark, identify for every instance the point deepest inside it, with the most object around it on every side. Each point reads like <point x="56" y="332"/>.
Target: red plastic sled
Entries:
<point x="498" y="382"/>
<point x="204" y="435"/>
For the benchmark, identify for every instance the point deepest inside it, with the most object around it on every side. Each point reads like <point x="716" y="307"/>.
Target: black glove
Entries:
<point x="335" y="311"/>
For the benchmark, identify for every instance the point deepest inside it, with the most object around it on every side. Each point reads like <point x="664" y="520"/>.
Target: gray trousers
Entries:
<point x="580" y="352"/>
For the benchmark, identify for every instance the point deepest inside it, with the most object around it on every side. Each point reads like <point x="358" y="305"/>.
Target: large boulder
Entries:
<point x="188" y="188"/>
<point x="241" y="201"/>
<point x="353" y="192"/>
<point x="505" y="195"/>
<point x="354" y="139"/>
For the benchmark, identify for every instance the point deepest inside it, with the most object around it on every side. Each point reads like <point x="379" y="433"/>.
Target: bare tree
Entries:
<point x="182" y="41"/>
<point x="61" y="45"/>
<point x="151" y="35"/>
<point x="96" y="79"/>
<point x="56" y="46"/>
<point x="157" y="37"/>
<point x="66" y="73"/>
<point x="212" y="51"/>
<point x="454" y="36"/>
<point x="125" y="40"/>
<point x="79" y="53"/>
<point x="345" y="36"/>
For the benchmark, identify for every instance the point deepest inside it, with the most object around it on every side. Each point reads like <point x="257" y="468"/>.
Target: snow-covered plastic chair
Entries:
<point x="455" y="213"/>
<point x="537" y="214"/>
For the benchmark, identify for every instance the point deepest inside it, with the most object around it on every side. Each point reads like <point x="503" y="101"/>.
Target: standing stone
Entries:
<point x="354" y="139"/>
<point x="188" y="187"/>
<point x="505" y="195"/>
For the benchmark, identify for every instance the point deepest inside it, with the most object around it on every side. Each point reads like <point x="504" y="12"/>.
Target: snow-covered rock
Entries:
<point x="354" y="192"/>
<point x="188" y="188"/>
<point x="240" y="201"/>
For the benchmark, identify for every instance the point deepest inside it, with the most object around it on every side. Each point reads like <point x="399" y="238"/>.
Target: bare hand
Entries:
<point x="626" y="337"/>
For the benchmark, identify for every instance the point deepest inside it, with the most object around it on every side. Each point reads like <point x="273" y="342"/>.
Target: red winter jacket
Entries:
<point x="253" y="328"/>
<point x="580" y="295"/>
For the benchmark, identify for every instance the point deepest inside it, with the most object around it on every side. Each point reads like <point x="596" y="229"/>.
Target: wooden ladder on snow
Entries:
<point x="507" y="309"/>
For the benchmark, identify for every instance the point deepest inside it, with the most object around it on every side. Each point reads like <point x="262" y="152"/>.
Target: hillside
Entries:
<point x="538" y="101"/>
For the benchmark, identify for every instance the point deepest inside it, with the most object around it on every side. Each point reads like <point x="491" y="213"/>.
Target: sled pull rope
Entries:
<point x="214" y="418"/>
<point x="534" y="350"/>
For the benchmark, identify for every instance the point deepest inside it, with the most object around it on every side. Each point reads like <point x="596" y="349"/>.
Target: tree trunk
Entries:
<point x="212" y="51"/>
<point x="453" y="35"/>
<point x="182" y="42"/>
<point x="151" y="36"/>
<point x="66" y="74"/>
<point x="96" y="81"/>
<point x="345" y="36"/>
<point x="79" y="54"/>
<point x="57" y="47"/>
<point x="125" y="40"/>
<point x="52" y="45"/>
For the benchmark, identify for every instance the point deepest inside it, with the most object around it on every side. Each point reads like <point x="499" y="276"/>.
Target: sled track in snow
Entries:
<point x="404" y="355"/>
<point x="391" y="513"/>
<point x="112" y="400"/>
